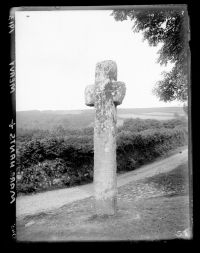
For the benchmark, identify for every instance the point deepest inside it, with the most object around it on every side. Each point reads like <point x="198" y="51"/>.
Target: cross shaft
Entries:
<point x="105" y="95"/>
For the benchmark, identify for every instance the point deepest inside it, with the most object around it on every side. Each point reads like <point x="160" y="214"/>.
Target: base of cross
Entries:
<point x="106" y="206"/>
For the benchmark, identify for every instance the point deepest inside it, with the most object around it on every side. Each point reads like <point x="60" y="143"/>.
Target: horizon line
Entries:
<point x="91" y="108"/>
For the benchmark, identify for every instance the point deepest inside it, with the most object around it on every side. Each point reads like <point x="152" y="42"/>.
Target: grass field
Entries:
<point x="150" y="209"/>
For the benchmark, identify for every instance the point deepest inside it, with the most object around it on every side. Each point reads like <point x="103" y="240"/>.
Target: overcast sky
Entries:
<point x="56" y="54"/>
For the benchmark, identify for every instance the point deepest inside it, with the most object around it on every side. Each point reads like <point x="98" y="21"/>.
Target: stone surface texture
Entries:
<point x="105" y="95"/>
<point x="89" y="95"/>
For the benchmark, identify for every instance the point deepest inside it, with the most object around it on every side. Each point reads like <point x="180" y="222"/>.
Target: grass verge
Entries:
<point x="156" y="208"/>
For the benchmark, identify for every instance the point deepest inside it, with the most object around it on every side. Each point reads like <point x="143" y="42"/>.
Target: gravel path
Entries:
<point x="47" y="201"/>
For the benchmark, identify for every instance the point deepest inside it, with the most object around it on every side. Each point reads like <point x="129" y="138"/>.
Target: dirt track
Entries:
<point x="47" y="201"/>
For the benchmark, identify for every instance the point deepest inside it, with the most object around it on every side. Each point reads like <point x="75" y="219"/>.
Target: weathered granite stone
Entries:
<point x="106" y="70"/>
<point x="105" y="95"/>
<point x="89" y="95"/>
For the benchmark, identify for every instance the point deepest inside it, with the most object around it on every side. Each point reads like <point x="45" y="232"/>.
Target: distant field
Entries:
<point x="149" y="115"/>
<point x="73" y="119"/>
<point x="156" y="110"/>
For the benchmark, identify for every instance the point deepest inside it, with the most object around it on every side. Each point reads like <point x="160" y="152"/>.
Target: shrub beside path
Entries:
<point x="51" y="200"/>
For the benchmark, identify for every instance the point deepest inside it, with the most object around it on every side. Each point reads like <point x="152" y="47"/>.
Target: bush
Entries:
<point x="52" y="174"/>
<point x="177" y="122"/>
<point x="134" y="149"/>
<point x="61" y="162"/>
<point x="53" y="162"/>
<point x="138" y="125"/>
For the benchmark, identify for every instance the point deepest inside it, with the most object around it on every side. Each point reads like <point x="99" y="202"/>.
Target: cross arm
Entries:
<point x="119" y="92"/>
<point x="89" y="95"/>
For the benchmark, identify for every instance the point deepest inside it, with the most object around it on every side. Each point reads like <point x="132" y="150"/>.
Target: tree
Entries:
<point x="170" y="28"/>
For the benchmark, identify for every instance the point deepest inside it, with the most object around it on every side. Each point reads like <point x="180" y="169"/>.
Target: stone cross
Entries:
<point x="105" y="95"/>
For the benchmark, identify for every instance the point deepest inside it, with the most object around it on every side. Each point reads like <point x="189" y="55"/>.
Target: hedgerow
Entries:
<point x="54" y="162"/>
<point x="134" y="149"/>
